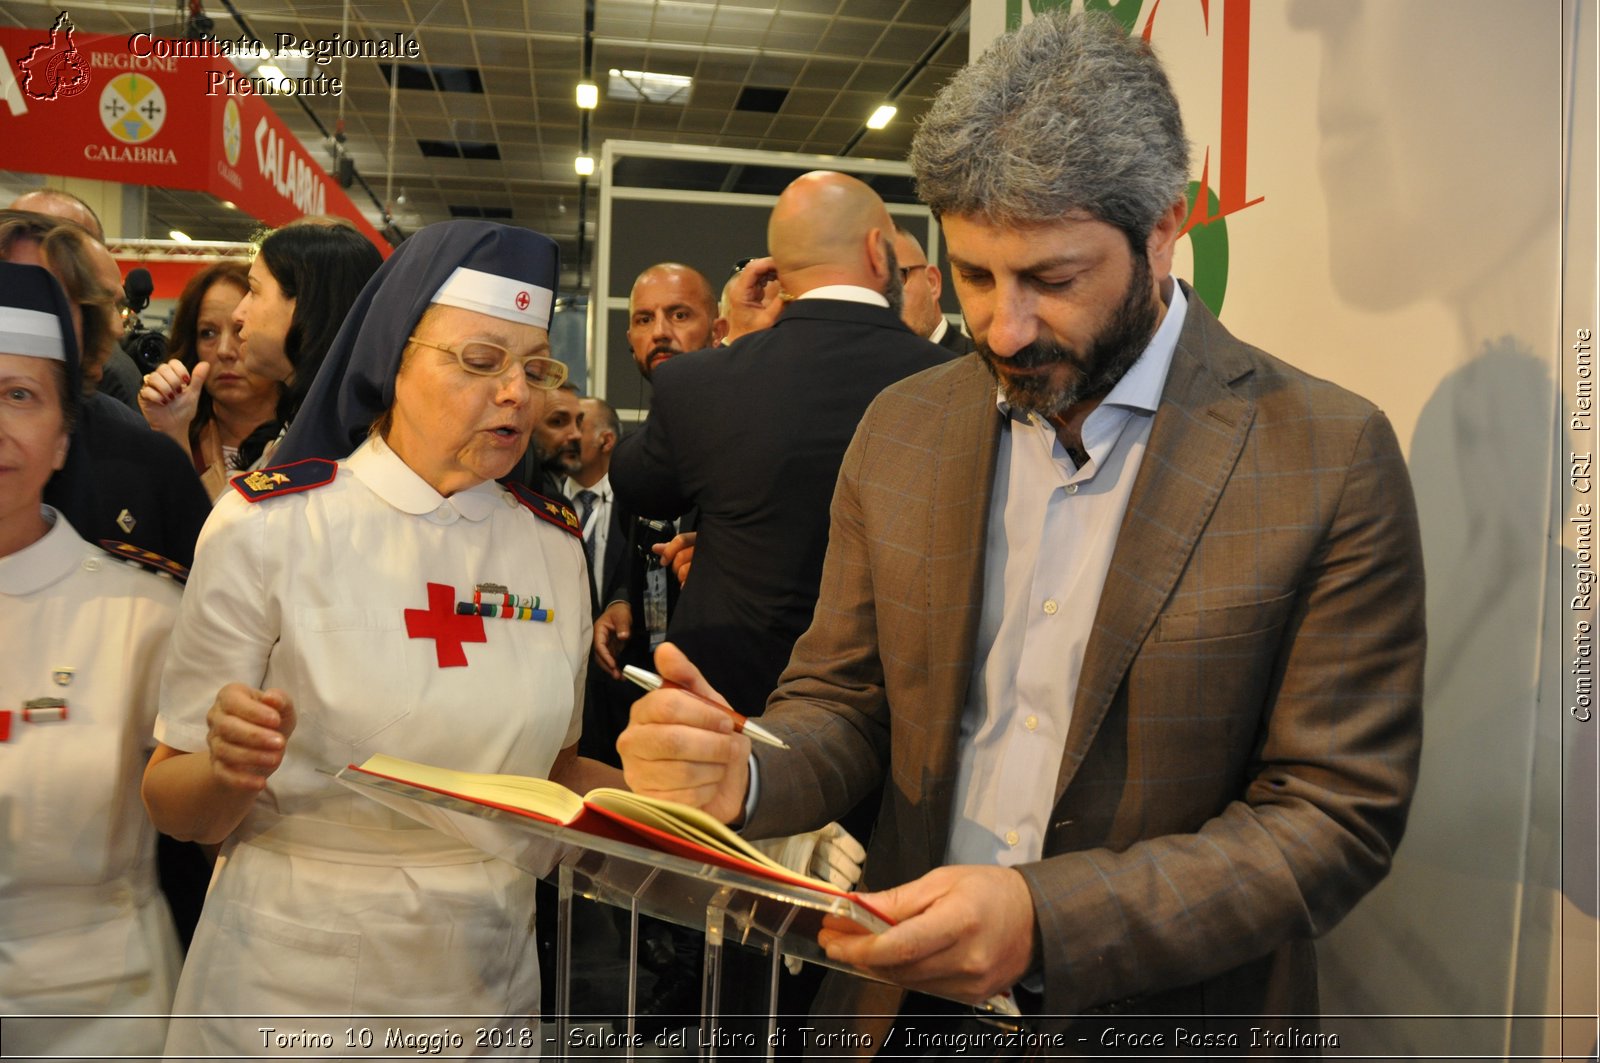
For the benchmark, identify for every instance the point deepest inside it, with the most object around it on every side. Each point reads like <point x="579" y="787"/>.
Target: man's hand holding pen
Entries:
<point x="741" y="723"/>
<point x="680" y="748"/>
<point x="963" y="932"/>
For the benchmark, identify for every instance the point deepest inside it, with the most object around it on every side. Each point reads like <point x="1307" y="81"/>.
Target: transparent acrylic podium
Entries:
<point x="730" y="906"/>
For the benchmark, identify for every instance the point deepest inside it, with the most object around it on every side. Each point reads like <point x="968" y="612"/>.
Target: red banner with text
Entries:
<point x="128" y="109"/>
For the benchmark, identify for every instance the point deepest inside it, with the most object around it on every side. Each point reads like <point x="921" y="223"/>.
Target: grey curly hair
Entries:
<point x="1067" y="114"/>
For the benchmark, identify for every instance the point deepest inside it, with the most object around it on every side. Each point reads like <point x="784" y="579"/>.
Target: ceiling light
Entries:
<point x="881" y="116"/>
<point x="180" y="236"/>
<point x="230" y="204"/>
<point x="584" y="164"/>
<point x="647" y="87"/>
<point x="285" y="62"/>
<point x="588" y="95"/>
<point x="272" y="73"/>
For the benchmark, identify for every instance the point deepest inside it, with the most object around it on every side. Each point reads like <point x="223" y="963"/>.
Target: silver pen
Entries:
<point x="751" y="730"/>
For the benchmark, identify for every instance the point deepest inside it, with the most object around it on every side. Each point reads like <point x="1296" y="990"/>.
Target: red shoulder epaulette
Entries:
<point x="152" y="562"/>
<point x="285" y="479"/>
<point x="547" y="509"/>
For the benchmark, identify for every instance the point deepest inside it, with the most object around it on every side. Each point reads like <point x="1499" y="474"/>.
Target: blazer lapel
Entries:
<point x="963" y="480"/>
<point x="1199" y="431"/>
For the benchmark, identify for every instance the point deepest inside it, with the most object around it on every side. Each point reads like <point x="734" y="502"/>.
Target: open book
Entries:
<point x="620" y="815"/>
<point x="647" y="823"/>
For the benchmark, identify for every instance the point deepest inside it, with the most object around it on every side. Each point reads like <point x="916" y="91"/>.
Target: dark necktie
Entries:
<point x="586" y="500"/>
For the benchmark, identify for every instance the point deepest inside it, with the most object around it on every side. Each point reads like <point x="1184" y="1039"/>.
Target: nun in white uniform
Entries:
<point x="324" y="603"/>
<point x="84" y="932"/>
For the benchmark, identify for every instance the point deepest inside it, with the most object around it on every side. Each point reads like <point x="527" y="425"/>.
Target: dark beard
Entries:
<point x="893" y="290"/>
<point x="650" y="362"/>
<point x="562" y="464"/>
<point x="1109" y="357"/>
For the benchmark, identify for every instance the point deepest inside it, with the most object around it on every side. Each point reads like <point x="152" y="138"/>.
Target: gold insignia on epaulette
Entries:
<point x="139" y="557"/>
<point x="261" y="480"/>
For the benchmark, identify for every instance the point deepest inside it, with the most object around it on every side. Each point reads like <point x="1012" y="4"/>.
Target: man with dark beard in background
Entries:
<point x="671" y="311"/>
<point x="554" y="449"/>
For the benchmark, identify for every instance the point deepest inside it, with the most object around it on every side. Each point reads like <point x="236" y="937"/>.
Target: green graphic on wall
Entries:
<point x="1206" y="224"/>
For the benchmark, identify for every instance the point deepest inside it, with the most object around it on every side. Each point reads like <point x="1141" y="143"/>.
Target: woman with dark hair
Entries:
<point x="204" y="397"/>
<point x="83" y="930"/>
<point x="302" y="283"/>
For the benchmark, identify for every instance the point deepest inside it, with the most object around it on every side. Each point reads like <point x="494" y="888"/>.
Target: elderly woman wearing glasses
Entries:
<point x="336" y="591"/>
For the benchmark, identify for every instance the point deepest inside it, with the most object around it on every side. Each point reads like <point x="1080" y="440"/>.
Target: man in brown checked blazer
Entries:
<point x="1136" y="637"/>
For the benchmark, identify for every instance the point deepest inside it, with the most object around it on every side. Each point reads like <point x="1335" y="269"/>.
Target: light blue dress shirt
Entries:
<point x="1052" y="529"/>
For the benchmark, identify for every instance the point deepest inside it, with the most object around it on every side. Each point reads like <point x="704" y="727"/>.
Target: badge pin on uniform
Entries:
<point x="63" y="676"/>
<point x="44" y="710"/>
<point x="495" y="600"/>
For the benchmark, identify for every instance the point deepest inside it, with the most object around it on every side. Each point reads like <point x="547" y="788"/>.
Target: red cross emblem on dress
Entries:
<point x="523" y="300"/>
<point x="445" y="626"/>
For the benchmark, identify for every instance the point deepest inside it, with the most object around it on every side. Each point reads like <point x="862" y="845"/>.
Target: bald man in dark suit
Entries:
<point x="752" y="434"/>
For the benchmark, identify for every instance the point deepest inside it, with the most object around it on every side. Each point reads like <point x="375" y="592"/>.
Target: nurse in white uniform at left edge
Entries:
<point x="84" y="932"/>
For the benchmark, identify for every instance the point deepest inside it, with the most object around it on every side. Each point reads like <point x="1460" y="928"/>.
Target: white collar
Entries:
<point x="51" y="559"/>
<point x="392" y="480"/>
<point x="601" y="488"/>
<point x="939" y="330"/>
<point x="850" y="293"/>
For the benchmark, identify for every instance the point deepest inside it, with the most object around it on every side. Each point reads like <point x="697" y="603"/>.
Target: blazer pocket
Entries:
<point x="1228" y="621"/>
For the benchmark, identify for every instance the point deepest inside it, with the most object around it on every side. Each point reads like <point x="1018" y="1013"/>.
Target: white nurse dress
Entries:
<point x="343" y="594"/>
<point x="84" y="931"/>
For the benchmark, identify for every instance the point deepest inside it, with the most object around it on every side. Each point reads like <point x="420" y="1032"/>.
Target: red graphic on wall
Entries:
<point x="55" y="69"/>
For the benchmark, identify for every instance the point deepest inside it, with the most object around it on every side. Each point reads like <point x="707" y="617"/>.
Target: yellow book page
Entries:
<point x="554" y="801"/>
<point x="540" y="796"/>
<point x="666" y="819"/>
<point x="690" y="823"/>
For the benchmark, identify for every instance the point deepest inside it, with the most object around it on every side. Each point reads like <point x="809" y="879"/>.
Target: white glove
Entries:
<point x="830" y="853"/>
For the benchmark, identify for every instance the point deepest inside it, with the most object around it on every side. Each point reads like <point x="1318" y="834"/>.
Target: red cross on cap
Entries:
<point x="523" y="300"/>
